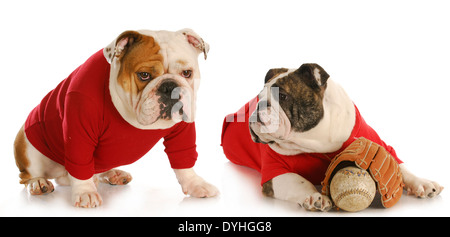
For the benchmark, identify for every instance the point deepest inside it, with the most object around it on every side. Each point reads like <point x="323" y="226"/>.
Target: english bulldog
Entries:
<point x="111" y="111"/>
<point x="293" y="129"/>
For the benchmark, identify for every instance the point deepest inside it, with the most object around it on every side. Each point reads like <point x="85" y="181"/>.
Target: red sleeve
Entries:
<point x="80" y="131"/>
<point x="271" y="165"/>
<point x="181" y="147"/>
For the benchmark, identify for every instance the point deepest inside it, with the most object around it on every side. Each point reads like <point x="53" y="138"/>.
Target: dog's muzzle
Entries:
<point x="168" y="97"/>
<point x="171" y="97"/>
<point x="256" y="123"/>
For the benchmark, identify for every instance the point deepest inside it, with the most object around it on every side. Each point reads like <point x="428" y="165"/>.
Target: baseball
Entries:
<point x="352" y="189"/>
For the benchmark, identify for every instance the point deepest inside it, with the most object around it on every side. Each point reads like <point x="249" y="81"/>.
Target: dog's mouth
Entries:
<point x="257" y="138"/>
<point x="269" y="124"/>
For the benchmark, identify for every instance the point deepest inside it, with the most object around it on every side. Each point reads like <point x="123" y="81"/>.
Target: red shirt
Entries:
<point x="77" y="125"/>
<point x="240" y="149"/>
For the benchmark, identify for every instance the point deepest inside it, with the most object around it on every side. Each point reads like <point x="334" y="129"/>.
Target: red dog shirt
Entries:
<point x="240" y="149"/>
<point x="77" y="125"/>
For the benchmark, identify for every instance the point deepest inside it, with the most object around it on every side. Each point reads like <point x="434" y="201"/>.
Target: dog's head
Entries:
<point x="291" y="103"/>
<point x="155" y="76"/>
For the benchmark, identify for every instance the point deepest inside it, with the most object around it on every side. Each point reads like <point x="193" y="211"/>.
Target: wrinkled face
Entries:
<point x="154" y="76"/>
<point x="291" y="102"/>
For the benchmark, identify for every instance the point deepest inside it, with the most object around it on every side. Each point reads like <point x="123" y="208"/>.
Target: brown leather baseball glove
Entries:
<point x="372" y="157"/>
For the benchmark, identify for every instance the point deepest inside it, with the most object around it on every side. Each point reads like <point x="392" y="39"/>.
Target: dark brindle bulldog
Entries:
<point x="292" y="130"/>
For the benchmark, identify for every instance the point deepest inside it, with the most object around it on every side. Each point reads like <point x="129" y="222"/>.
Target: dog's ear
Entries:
<point x="196" y="41"/>
<point x="313" y="75"/>
<point x="272" y="73"/>
<point x="121" y="44"/>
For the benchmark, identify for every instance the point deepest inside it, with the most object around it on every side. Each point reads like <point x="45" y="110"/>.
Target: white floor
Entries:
<point x="155" y="192"/>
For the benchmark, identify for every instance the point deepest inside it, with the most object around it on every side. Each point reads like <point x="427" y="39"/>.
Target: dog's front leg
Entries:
<point x="194" y="185"/>
<point x="419" y="187"/>
<point x="294" y="188"/>
<point x="84" y="192"/>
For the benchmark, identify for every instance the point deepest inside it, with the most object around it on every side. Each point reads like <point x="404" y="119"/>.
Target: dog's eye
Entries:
<point x="282" y="97"/>
<point x="186" y="73"/>
<point x="144" y="76"/>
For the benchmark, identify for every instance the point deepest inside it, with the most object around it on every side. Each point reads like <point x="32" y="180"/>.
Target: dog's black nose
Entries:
<point x="167" y="87"/>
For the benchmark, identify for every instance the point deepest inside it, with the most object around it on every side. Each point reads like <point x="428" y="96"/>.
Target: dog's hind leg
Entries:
<point x="35" y="168"/>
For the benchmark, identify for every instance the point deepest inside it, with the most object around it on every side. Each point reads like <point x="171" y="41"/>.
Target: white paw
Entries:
<point x="317" y="202"/>
<point x="87" y="199"/>
<point x="194" y="185"/>
<point x="199" y="188"/>
<point x="39" y="186"/>
<point x="423" y="188"/>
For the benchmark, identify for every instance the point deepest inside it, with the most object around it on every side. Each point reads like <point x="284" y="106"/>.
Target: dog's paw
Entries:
<point x="87" y="199"/>
<point x="116" y="177"/>
<point x="200" y="188"/>
<point x="422" y="188"/>
<point x="39" y="186"/>
<point x="317" y="202"/>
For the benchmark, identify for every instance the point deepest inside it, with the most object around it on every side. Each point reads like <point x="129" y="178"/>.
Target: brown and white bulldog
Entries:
<point x="111" y="111"/>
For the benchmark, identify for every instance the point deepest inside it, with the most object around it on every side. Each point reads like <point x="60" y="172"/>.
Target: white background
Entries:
<point x="392" y="57"/>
